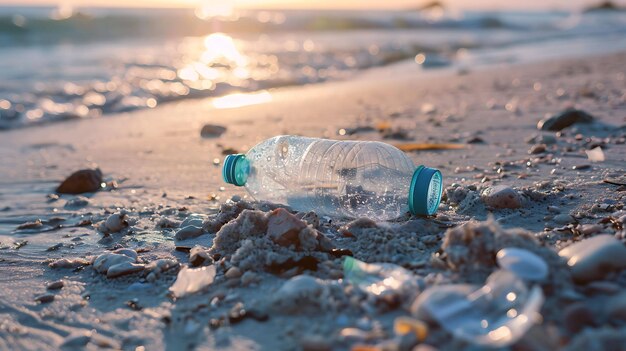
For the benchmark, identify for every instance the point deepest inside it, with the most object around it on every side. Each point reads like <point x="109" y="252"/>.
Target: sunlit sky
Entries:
<point x="331" y="4"/>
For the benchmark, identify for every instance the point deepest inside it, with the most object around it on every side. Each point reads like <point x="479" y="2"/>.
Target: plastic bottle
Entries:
<point x="340" y="178"/>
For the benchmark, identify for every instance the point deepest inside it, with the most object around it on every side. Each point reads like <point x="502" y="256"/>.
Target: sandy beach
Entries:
<point x="161" y="176"/>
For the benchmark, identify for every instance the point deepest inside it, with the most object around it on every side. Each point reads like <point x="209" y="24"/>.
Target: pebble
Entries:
<point x="188" y="232"/>
<point x="69" y="263"/>
<point x="563" y="218"/>
<point x="233" y="272"/>
<point x="537" y="149"/>
<point x="115" y="223"/>
<point x="124" y="268"/>
<point x="45" y="298"/>
<point x="501" y="196"/>
<point x="284" y="228"/>
<point x="588" y="229"/>
<point x="212" y="131"/>
<point x="198" y="256"/>
<point x="522" y="263"/>
<point x="564" y="120"/>
<point x="56" y="285"/>
<point x="104" y="262"/>
<point x="592" y="258"/>
<point x="82" y="181"/>
<point x="577" y="316"/>
<point x="77" y="202"/>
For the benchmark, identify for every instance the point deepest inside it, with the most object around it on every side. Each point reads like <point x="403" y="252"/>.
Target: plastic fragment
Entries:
<point x="379" y="278"/>
<point x="496" y="315"/>
<point x="595" y="155"/>
<point x="192" y="280"/>
<point x="523" y="263"/>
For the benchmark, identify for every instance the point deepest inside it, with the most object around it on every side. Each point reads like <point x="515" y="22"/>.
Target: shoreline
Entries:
<point x="165" y="172"/>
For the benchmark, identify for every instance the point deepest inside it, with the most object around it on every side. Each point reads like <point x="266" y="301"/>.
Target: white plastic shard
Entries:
<point x="522" y="263"/>
<point x="596" y="154"/>
<point x="495" y="315"/>
<point x="192" y="280"/>
<point x="380" y="278"/>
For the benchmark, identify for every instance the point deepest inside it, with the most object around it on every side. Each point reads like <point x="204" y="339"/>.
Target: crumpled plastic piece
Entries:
<point x="192" y="280"/>
<point x="380" y="278"/>
<point x="495" y="315"/>
<point x="523" y="263"/>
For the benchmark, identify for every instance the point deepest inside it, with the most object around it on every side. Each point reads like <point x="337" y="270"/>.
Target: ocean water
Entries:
<point x="59" y="64"/>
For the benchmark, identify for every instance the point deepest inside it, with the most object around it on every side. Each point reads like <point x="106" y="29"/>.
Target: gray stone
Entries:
<point x="188" y="232"/>
<point x="592" y="258"/>
<point x="564" y="120"/>
<point x="124" y="268"/>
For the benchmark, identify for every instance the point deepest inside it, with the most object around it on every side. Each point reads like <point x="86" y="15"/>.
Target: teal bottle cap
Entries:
<point x="235" y="169"/>
<point x="425" y="192"/>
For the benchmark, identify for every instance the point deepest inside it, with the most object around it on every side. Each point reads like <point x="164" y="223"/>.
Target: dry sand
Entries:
<point x="165" y="172"/>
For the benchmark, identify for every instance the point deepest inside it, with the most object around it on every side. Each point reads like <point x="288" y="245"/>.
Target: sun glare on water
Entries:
<point x="240" y="100"/>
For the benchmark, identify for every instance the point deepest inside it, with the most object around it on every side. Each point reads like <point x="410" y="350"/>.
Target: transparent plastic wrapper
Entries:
<point x="192" y="280"/>
<point x="496" y="315"/>
<point x="380" y="278"/>
<point x="341" y="178"/>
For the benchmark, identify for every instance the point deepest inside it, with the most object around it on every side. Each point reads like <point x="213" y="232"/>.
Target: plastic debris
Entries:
<point x="595" y="155"/>
<point x="379" y="278"/>
<point x="523" y="263"/>
<point x="192" y="280"/>
<point x="496" y="315"/>
<point x="406" y="325"/>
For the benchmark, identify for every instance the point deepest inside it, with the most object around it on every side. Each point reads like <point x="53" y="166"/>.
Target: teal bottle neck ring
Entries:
<point x="425" y="192"/>
<point x="236" y="169"/>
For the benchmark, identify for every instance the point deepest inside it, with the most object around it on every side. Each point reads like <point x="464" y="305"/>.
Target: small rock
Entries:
<point x="56" y="285"/>
<point x="284" y="228"/>
<point x="564" y="120"/>
<point x="188" y="232"/>
<point x="115" y="223"/>
<point x="592" y="258"/>
<point x="563" y="218"/>
<point x="232" y="273"/>
<point x="537" y="149"/>
<point x="55" y="247"/>
<point x="77" y="202"/>
<point x="124" y="268"/>
<point x="249" y="277"/>
<point x="83" y="181"/>
<point x="588" y="229"/>
<point x="30" y="225"/>
<point x="501" y="196"/>
<point x="576" y="317"/>
<point x="351" y="228"/>
<point x="45" y="298"/>
<point x="212" y="131"/>
<point x="198" y="256"/>
<point x="104" y="262"/>
<point x="71" y="263"/>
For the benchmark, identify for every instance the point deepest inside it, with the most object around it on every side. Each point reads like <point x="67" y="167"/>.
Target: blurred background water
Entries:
<point x="72" y="63"/>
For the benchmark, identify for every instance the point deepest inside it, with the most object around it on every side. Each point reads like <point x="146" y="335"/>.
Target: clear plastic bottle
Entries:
<point x="340" y="178"/>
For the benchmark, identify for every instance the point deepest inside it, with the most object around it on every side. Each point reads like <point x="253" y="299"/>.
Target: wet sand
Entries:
<point x="160" y="170"/>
